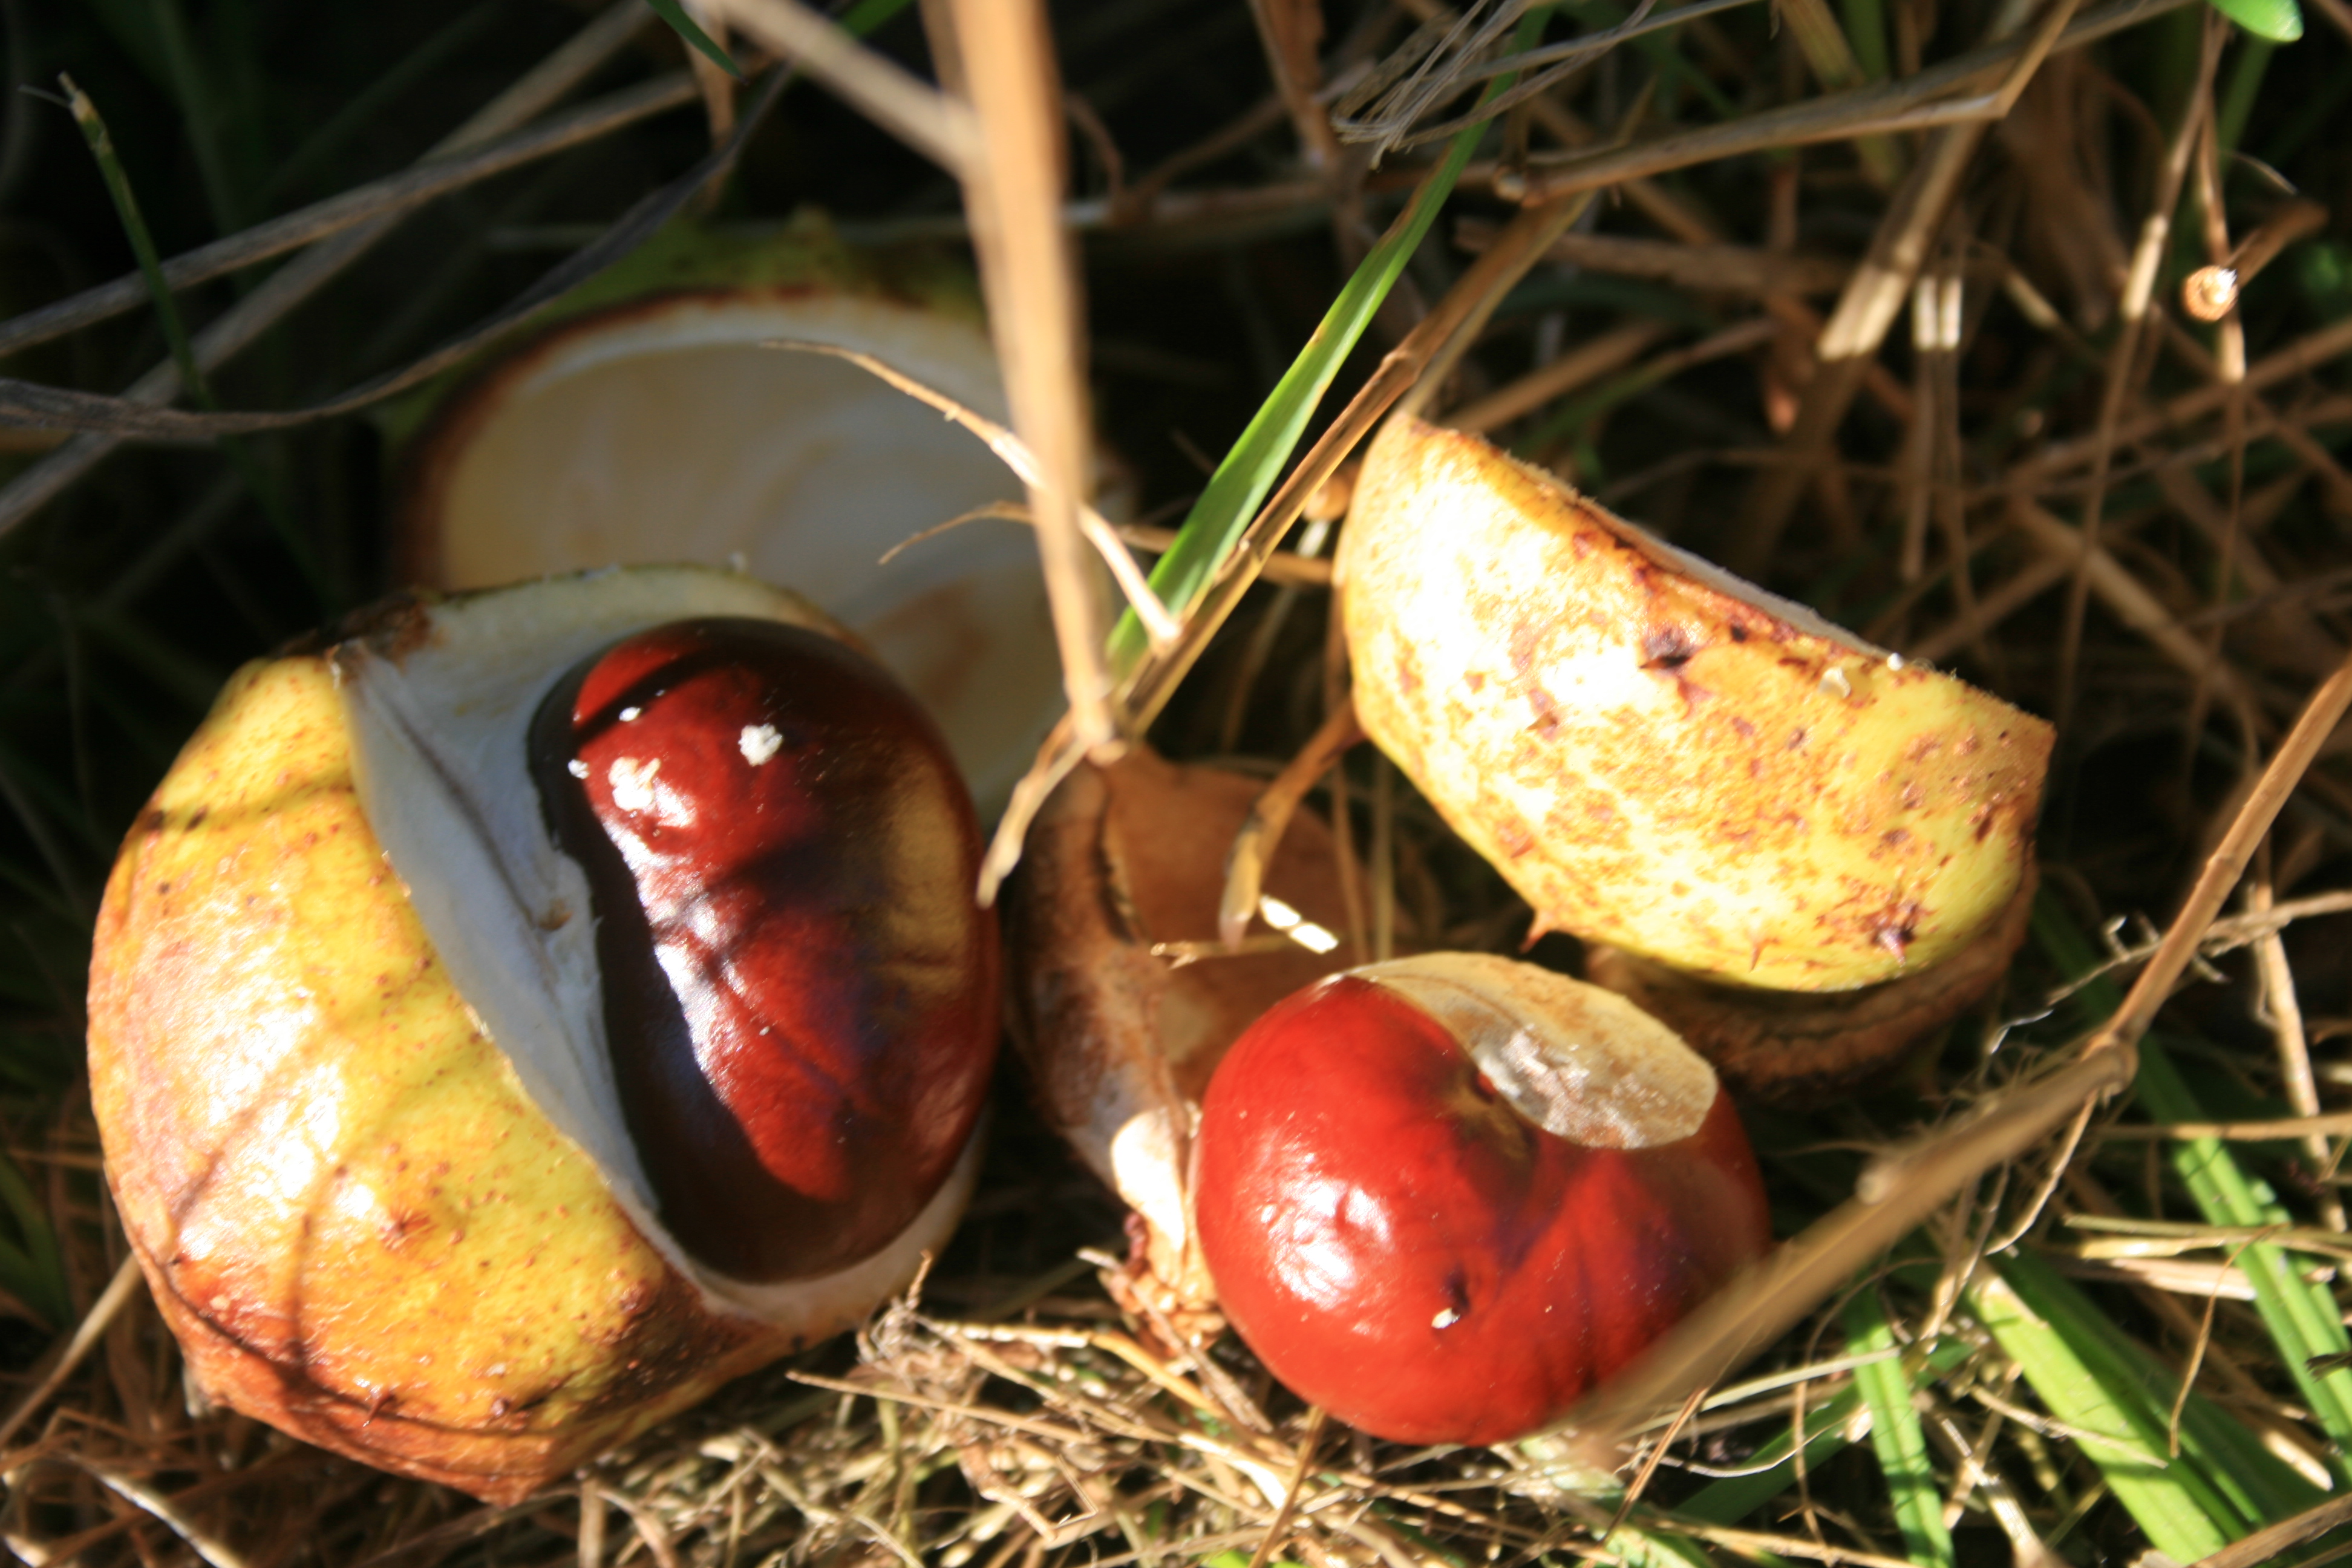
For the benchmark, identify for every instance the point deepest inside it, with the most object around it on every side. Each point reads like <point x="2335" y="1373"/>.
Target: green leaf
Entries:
<point x="671" y="12"/>
<point x="1240" y="485"/>
<point x="1895" y="1434"/>
<point x="2301" y="1317"/>
<point x="2116" y="1423"/>
<point x="2278" y="20"/>
<point x="2115" y="1399"/>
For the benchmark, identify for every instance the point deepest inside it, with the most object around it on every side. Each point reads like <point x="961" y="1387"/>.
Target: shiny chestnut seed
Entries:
<point x="1443" y="1197"/>
<point x="800" y="994"/>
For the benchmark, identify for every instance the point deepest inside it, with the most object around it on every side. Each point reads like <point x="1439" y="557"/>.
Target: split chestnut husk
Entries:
<point x="1663" y="759"/>
<point x="363" y="1028"/>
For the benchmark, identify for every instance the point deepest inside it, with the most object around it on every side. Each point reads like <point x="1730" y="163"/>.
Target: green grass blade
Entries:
<point x="167" y="314"/>
<point x="2301" y="1317"/>
<point x="1242" y="481"/>
<point x="2280" y="21"/>
<point x="2247" y="71"/>
<point x="1640" y="1548"/>
<point x="1895" y="1434"/>
<point x="2123" y="1436"/>
<point x="1732" y="1498"/>
<point x="2116" y="1400"/>
<point x="1866" y="24"/>
<point x="1249" y="471"/>
<point x="1828" y="1431"/>
<point x="702" y="43"/>
<point x="142" y="243"/>
<point x="868" y="14"/>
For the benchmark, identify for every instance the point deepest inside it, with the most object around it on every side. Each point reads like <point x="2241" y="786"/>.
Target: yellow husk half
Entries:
<point x="1661" y="757"/>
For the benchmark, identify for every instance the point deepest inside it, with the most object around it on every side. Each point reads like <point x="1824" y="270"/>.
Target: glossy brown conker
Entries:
<point x="1443" y="1197"/>
<point x="800" y="994"/>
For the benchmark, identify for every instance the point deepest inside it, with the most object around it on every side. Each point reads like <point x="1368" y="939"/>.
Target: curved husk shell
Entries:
<point x="1660" y="757"/>
<point x="652" y="422"/>
<point x="1119" y="1042"/>
<point x="1793" y="1047"/>
<point x="364" y="1217"/>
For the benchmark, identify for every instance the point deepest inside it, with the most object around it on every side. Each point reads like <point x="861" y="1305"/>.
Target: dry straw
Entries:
<point x="2167" y="529"/>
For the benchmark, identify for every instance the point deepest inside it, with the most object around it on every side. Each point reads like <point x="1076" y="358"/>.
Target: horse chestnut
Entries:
<point x="469" y="1148"/>
<point x="1443" y="1196"/>
<point x="801" y="995"/>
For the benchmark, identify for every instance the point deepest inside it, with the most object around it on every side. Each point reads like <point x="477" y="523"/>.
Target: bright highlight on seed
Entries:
<point x="633" y="783"/>
<point x="759" y="743"/>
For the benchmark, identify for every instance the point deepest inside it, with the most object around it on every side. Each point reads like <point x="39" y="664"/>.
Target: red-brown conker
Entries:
<point x="1443" y="1196"/>
<point x="799" y="993"/>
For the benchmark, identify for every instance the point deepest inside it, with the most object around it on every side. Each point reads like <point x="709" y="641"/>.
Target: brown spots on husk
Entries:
<point x="1512" y="833"/>
<point x="1667" y="649"/>
<point x="1408" y="671"/>
<point x="1768" y="782"/>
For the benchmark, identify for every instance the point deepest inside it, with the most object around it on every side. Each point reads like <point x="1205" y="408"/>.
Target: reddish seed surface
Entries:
<point x="801" y="997"/>
<point x="1401" y="1246"/>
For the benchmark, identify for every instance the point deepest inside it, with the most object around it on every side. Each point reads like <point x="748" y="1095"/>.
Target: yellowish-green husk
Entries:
<point x="1663" y="758"/>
